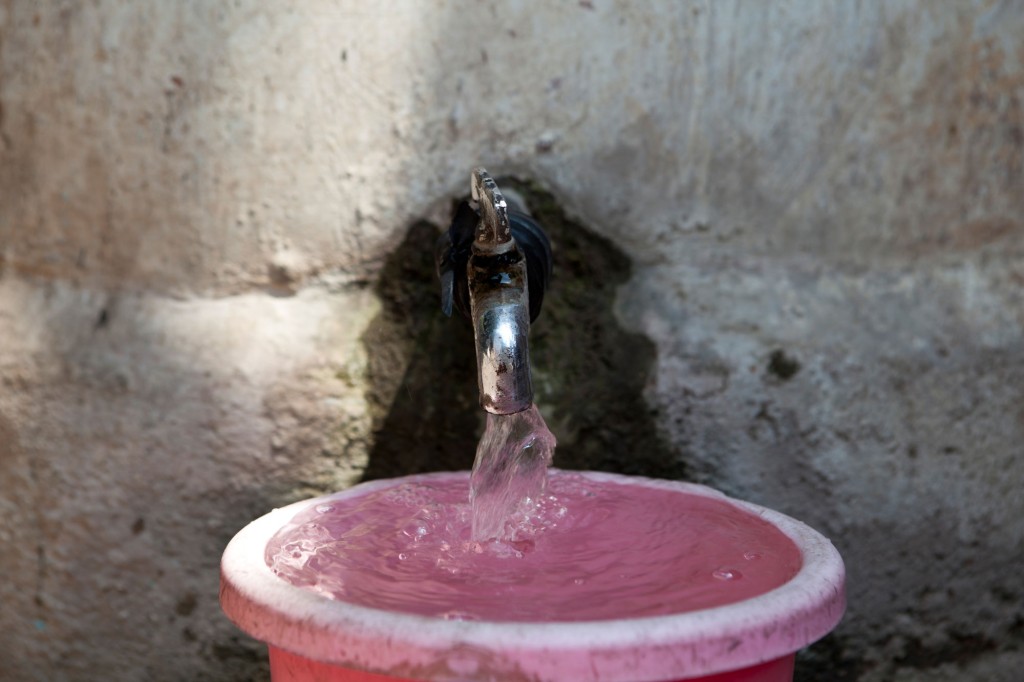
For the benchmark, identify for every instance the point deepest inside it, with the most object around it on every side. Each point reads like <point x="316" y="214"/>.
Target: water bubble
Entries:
<point x="578" y="581"/>
<point x="403" y="556"/>
<point x="752" y="556"/>
<point x="323" y="508"/>
<point x="416" y="531"/>
<point x="727" y="574"/>
<point x="522" y="546"/>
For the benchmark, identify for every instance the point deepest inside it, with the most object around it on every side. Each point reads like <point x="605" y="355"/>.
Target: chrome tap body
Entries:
<point x="494" y="290"/>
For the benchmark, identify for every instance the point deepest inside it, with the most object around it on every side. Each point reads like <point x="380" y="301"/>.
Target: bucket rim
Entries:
<point x="736" y="635"/>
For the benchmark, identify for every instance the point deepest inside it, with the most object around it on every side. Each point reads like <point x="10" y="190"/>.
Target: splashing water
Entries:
<point x="591" y="550"/>
<point x="509" y="473"/>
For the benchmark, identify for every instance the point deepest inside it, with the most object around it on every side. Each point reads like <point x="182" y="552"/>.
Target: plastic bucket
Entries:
<point x="316" y="639"/>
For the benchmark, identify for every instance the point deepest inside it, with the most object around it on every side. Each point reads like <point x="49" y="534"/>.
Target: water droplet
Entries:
<point x="578" y="581"/>
<point x="727" y="574"/>
<point x="323" y="508"/>
<point x="752" y="556"/>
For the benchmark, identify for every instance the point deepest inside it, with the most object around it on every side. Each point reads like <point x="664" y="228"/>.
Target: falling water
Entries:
<point x="509" y="473"/>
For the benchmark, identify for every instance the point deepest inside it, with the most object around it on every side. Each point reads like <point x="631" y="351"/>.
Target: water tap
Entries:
<point x="494" y="263"/>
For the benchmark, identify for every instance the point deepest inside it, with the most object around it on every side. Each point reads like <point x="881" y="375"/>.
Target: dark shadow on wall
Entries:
<point x="421" y="371"/>
<point x="589" y="372"/>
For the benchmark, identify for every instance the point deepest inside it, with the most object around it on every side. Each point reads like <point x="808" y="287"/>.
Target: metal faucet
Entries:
<point x="494" y="263"/>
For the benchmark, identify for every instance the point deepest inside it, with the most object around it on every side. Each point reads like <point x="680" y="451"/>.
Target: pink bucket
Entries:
<point x="316" y="639"/>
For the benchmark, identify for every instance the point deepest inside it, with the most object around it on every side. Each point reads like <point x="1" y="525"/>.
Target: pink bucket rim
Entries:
<point x="702" y="642"/>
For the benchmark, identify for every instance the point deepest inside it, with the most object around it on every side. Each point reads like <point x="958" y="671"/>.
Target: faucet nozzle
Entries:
<point x="493" y="232"/>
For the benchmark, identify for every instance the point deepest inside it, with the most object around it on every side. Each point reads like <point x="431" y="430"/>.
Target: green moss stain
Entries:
<point x="421" y="373"/>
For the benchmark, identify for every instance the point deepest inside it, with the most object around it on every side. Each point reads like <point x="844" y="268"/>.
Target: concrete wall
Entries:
<point x="823" y="204"/>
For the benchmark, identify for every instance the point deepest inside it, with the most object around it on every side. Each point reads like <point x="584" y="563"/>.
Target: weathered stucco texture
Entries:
<point x="807" y="220"/>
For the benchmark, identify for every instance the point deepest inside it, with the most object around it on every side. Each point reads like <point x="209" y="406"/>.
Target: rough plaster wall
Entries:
<point x="824" y="206"/>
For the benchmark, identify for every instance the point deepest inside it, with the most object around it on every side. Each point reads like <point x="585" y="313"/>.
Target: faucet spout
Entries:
<point x="499" y="304"/>
<point x="493" y="264"/>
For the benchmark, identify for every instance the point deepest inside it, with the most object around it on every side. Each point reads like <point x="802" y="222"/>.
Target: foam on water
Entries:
<point x="586" y="551"/>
